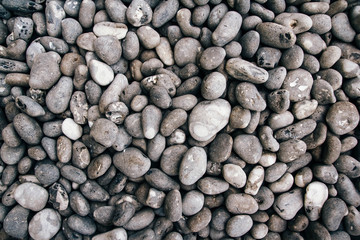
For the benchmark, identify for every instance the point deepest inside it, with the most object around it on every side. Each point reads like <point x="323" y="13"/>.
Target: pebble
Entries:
<point x="234" y="175"/>
<point x="28" y="129"/>
<point x="192" y="202"/>
<point x="239" y="225"/>
<point x="299" y="83"/>
<point x="289" y="203"/>
<point x="132" y="162"/>
<point x="339" y="119"/>
<point x="117" y="233"/>
<point x="82" y="225"/>
<point x="31" y="196"/>
<point x="101" y="73"/>
<point x="192" y="166"/>
<point x="16" y="222"/>
<point x="43" y="63"/>
<point x="298" y="22"/>
<point x="45" y="224"/>
<point x="248" y="147"/>
<point x="202" y="128"/>
<point x="244" y="70"/>
<point x="314" y="199"/>
<point x="276" y="35"/>
<point x="341" y="27"/>
<point x="227" y="28"/>
<point x="249" y="97"/>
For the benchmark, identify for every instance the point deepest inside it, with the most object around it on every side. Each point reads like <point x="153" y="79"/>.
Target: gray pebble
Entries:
<point x="46" y="172"/>
<point x="341" y="28"/>
<point x="239" y="225"/>
<point x="241" y="203"/>
<point x="104" y="132"/>
<point x="54" y="14"/>
<point x="73" y="174"/>
<point x="31" y="196"/>
<point x="289" y="203"/>
<point x="16" y="222"/>
<point x="299" y="83"/>
<point x="164" y="12"/>
<point x="79" y="203"/>
<point x="192" y="166"/>
<point x="298" y="22"/>
<point x="58" y="98"/>
<point x="11" y="155"/>
<point x="311" y="43"/>
<point x="244" y="70"/>
<point x="94" y="192"/>
<point x="268" y="58"/>
<point x="108" y="49"/>
<point x="227" y="28"/>
<point x="28" y="129"/>
<point x="132" y="162"/>
<point x="82" y="225"/>
<point x="248" y="147"/>
<point x="249" y="97"/>
<point x="321" y="23"/>
<point x="139" y="13"/>
<point x="276" y="35"/>
<point x="140" y="220"/>
<point x="43" y="63"/>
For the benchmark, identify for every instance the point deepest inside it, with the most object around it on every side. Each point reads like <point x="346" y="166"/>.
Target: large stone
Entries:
<point x="31" y="196"/>
<point x="45" y="224"/>
<point x="208" y="118"/>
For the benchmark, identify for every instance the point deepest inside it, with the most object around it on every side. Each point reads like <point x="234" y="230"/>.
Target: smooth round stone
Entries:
<point x="132" y="162"/>
<point x="58" y="98"/>
<point x="299" y="83"/>
<point x="314" y="7"/>
<point x="249" y="97"/>
<point x="118" y="30"/>
<point x="71" y="29"/>
<point x="101" y="73"/>
<point x="321" y="23"/>
<point x="330" y="56"/>
<point x="248" y="147"/>
<point x="227" y="29"/>
<point x="243" y="70"/>
<point x="192" y="166"/>
<point x="276" y="35"/>
<point x="212" y="57"/>
<point x="43" y="64"/>
<point x="304" y="109"/>
<point x="208" y="118"/>
<point x="341" y="28"/>
<point x="16" y="222"/>
<point x="241" y="203"/>
<point x="12" y="155"/>
<point x="342" y="117"/>
<point x="108" y="49"/>
<point x="148" y="37"/>
<point x="46" y="172"/>
<point x="213" y="86"/>
<point x="314" y="199"/>
<point x="117" y="233"/>
<point x="298" y="22"/>
<point x="288" y="204"/>
<point x="45" y="224"/>
<point x="239" y="225"/>
<point x="311" y="43"/>
<point x="192" y="202"/>
<point x="104" y="132"/>
<point x="186" y="51"/>
<point x="28" y="129"/>
<point x="71" y="129"/>
<point x="82" y="225"/>
<point x="333" y="212"/>
<point x="31" y="196"/>
<point x="212" y="186"/>
<point x="292" y="58"/>
<point x="234" y="175"/>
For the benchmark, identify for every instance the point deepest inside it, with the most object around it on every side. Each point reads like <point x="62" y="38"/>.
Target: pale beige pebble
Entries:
<point x="267" y="159"/>
<point x="118" y="30"/>
<point x="234" y="175"/>
<point x="115" y="234"/>
<point x="316" y="195"/>
<point x="101" y="73"/>
<point x="304" y="109"/>
<point x="45" y="224"/>
<point x="208" y="118"/>
<point x="255" y="180"/>
<point x="71" y="129"/>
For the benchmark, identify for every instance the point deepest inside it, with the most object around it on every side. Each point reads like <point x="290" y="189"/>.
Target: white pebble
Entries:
<point x="101" y="73"/>
<point x="71" y="129"/>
